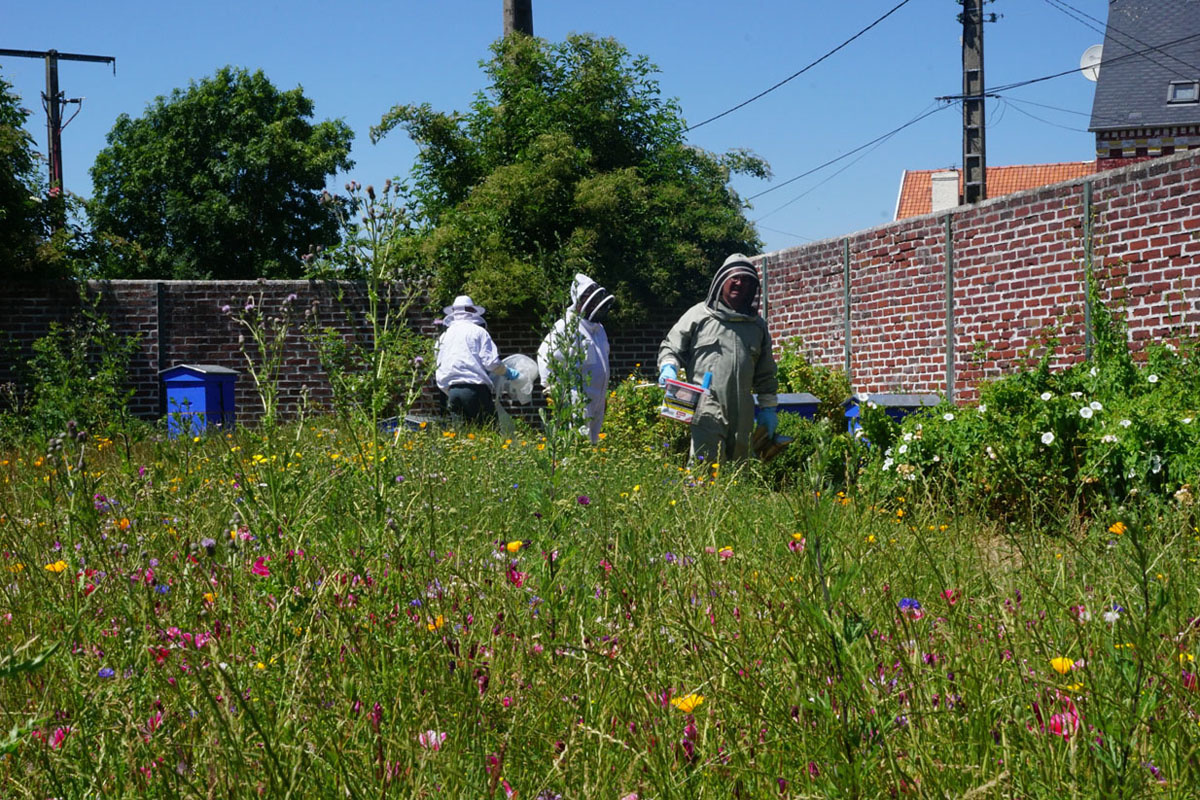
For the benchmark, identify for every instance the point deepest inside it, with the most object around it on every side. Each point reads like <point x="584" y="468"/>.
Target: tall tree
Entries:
<point x="222" y="180"/>
<point x="570" y="160"/>
<point x="22" y="204"/>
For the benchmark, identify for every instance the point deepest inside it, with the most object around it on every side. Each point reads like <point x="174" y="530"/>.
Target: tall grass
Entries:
<point x="232" y="618"/>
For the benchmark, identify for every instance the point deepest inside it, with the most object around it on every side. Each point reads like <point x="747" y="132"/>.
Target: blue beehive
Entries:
<point x="196" y="396"/>
<point x="895" y="405"/>
<point x="801" y="404"/>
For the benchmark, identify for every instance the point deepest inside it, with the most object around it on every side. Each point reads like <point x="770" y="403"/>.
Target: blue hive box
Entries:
<point x="895" y="405"/>
<point x="801" y="404"/>
<point x="196" y="396"/>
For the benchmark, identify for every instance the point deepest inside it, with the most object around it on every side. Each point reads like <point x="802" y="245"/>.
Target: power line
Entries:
<point x="849" y="153"/>
<point x="1132" y="54"/>
<point x="1008" y="103"/>
<point x="1063" y="6"/>
<point x="765" y="92"/>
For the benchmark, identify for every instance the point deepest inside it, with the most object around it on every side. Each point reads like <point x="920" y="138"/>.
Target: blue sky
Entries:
<point x="356" y="59"/>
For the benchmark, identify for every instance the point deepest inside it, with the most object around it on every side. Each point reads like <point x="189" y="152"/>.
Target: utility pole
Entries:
<point x="53" y="101"/>
<point x="518" y="17"/>
<point x="974" y="142"/>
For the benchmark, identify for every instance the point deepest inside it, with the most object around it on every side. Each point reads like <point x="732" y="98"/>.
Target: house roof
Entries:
<point x="1147" y="45"/>
<point x="916" y="187"/>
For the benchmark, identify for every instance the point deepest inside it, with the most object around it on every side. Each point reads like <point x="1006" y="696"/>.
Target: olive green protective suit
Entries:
<point x="736" y="349"/>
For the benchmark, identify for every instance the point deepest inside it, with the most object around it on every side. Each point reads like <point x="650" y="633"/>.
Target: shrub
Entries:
<point x="798" y="374"/>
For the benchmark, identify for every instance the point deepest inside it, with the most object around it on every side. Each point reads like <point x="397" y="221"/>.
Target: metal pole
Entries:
<point x="846" y="304"/>
<point x="1088" y="340"/>
<point x="949" y="311"/>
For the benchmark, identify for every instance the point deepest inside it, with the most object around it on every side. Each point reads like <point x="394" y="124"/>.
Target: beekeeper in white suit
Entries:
<point x="468" y="363"/>
<point x="575" y="353"/>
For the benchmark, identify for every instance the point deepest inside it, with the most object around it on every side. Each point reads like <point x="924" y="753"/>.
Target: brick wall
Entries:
<point x="1017" y="272"/>
<point x="184" y="322"/>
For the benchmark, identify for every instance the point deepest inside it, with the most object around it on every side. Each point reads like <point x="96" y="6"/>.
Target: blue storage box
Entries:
<point x="802" y="404"/>
<point x="196" y="396"/>
<point x="895" y="405"/>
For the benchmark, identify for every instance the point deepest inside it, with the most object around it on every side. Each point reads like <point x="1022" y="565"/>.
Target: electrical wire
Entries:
<point x="1108" y="28"/>
<point x="794" y="75"/>
<point x="849" y="153"/>
<point x="1008" y="102"/>
<point x="1010" y="86"/>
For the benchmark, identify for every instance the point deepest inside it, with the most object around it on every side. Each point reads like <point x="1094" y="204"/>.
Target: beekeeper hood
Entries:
<point x="463" y="309"/>
<point x="736" y="264"/>
<point x="589" y="299"/>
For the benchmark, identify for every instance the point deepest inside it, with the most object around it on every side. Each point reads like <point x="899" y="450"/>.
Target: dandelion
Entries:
<point x="1062" y="665"/>
<point x="1086" y="412"/>
<point x="688" y="703"/>
<point x="1048" y="438"/>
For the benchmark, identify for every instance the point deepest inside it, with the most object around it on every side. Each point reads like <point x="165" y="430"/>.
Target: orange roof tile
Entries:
<point x="916" y="186"/>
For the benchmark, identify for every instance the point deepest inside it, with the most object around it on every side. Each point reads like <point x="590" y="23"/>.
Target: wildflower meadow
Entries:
<point x="989" y="600"/>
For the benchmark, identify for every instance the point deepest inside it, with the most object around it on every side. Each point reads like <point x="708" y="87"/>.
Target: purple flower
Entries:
<point x="669" y="557"/>
<point x="908" y="604"/>
<point x="584" y="500"/>
<point x="106" y="672"/>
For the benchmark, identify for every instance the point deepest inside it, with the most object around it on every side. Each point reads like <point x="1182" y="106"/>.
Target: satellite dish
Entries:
<point x="1089" y="62"/>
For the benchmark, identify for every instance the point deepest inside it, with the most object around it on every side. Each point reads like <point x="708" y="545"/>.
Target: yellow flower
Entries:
<point x="871" y="539"/>
<point x="16" y="567"/>
<point x="260" y="665"/>
<point x="210" y="597"/>
<point x="1073" y="687"/>
<point x="57" y="566"/>
<point x="1186" y="657"/>
<point x="1062" y="665"/>
<point x="688" y="703"/>
<point x="799" y="537"/>
<point x="514" y="545"/>
<point x="1117" y="527"/>
<point x="437" y="623"/>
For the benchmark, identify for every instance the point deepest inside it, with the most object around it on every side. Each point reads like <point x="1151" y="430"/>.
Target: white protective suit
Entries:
<point x="576" y="351"/>
<point x="465" y="352"/>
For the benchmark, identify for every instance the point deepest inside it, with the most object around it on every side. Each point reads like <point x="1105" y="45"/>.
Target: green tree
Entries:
<point x="570" y="160"/>
<point x="222" y="180"/>
<point x="23" y="212"/>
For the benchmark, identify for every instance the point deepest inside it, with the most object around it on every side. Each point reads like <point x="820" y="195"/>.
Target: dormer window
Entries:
<point x="1183" y="92"/>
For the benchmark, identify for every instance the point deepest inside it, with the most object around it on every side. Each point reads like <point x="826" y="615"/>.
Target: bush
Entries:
<point x="798" y="374"/>
<point x="632" y="418"/>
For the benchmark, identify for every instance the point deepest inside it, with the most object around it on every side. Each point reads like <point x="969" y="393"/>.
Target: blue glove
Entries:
<point x="511" y="373"/>
<point x="668" y="371"/>
<point x="769" y="419"/>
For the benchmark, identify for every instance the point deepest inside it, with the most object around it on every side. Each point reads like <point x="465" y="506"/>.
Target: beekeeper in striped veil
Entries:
<point x="575" y="353"/>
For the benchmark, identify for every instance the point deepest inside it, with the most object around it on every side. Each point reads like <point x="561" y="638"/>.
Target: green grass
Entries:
<point x="287" y="615"/>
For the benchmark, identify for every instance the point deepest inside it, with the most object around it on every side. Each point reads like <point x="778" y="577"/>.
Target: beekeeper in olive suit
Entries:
<point x="575" y="353"/>
<point x="724" y="335"/>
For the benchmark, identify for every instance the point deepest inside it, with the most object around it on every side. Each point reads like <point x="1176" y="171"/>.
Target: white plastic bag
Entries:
<point x="519" y="389"/>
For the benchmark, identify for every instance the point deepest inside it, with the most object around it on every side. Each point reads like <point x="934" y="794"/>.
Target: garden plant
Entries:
<point x="990" y="600"/>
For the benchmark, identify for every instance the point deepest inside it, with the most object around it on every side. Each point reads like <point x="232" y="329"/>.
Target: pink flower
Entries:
<point x="515" y="577"/>
<point x="950" y="596"/>
<point x="57" y="738"/>
<point x="260" y="567"/>
<point x="431" y="739"/>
